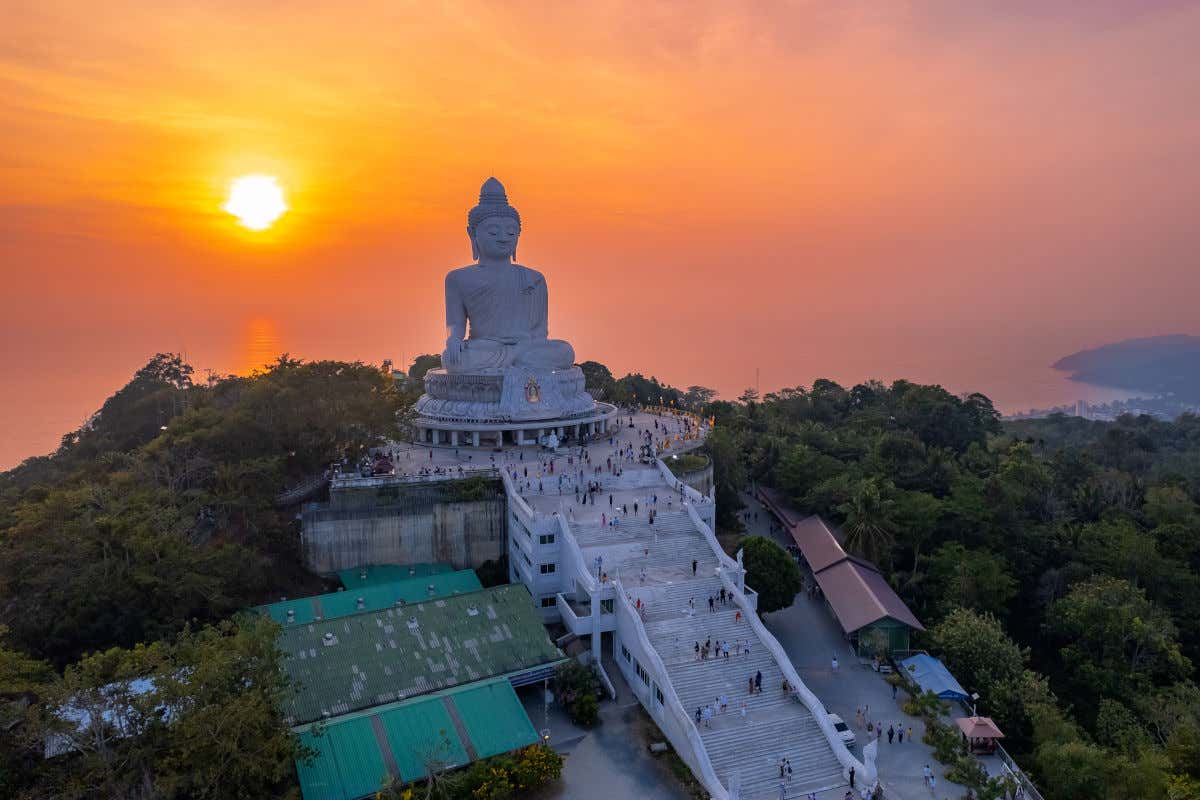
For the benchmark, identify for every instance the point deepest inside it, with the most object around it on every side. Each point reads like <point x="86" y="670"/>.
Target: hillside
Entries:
<point x="1156" y="364"/>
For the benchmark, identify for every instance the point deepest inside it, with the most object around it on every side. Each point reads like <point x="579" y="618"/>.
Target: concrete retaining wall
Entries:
<point x="458" y="522"/>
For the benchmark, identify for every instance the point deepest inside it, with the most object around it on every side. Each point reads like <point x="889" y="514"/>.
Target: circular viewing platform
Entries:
<point x="447" y="432"/>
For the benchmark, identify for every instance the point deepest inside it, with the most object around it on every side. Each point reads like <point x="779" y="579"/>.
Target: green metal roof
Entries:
<point x="494" y="718"/>
<point x="386" y="573"/>
<point x="377" y="657"/>
<point x="374" y="597"/>
<point x="354" y="752"/>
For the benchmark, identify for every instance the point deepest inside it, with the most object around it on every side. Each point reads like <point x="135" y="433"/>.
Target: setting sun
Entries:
<point x="256" y="200"/>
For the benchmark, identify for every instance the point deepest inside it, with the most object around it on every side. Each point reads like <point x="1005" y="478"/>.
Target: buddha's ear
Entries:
<point x="474" y="247"/>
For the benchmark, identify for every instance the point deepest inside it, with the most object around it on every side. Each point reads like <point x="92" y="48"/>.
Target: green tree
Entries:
<point x="1112" y="640"/>
<point x="979" y="653"/>
<point x="975" y="579"/>
<point x="771" y="572"/>
<point x="195" y="718"/>
<point x="869" y="522"/>
<point x="422" y="364"/>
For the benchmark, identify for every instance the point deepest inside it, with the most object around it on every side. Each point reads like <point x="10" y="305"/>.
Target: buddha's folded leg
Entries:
<point x="475" y="354"/>
<point x="550" y="353"/>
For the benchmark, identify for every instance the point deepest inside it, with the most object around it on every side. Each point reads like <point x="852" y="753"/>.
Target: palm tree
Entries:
<point x="869" y="527"/>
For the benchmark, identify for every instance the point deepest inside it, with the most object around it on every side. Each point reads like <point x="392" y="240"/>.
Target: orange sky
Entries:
<point x="943" y="191"/>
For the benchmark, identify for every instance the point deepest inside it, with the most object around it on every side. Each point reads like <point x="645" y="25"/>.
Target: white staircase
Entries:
<point x="744" y="750"/>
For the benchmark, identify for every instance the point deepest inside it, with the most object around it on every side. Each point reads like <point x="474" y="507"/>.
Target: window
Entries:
<point x="641" y="673"/>
<point x="625" y="654"/>
<point x="548" y="601"/>
<point x="547" y="568"/>
<point x="606" y="606"/>
<point x="546" y="538"/>
<point x="528" y="560"/>
<point x="658" y="695"/>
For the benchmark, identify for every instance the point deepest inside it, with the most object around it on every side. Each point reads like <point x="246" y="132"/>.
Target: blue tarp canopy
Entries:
<point x="932" y="676"/>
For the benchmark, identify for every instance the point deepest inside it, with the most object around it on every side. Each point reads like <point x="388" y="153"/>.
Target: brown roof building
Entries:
<point x="864" y="604"/>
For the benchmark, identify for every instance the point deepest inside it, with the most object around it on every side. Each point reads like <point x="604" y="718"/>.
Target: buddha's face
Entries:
<point x="496" y="237"/>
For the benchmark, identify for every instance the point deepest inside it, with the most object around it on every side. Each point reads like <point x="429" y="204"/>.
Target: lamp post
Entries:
<point x="974" y="701"/>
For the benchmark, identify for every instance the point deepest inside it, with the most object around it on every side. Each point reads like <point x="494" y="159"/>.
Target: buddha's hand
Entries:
<point x="452" y="355"/>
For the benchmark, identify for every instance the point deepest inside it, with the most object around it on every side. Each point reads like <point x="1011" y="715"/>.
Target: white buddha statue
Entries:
<point x="495" y="309"/>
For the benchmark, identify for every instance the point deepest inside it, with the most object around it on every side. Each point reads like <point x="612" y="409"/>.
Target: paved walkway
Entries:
<point x="811" y="636"/>
<point x="606" y="761"/>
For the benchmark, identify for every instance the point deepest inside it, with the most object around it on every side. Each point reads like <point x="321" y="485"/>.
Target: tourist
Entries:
<point x="782" y="766"/>
<point x="891" y="734"/>
<point x="697" y="652"/>
<point x="910" y="738"/>
<point x="834" y="665"/>
<point x="694" y="565"/>
<point x="895" y="687"/>
<point x="750" y="685"/>
<point x="900" y="735"/>
<point x="851" y="776"/>
<point x="711" y="605"/>
<point x="932" y="784"/>
<point x="725" y="649"/>
<point x="722" y="595"/>
<point x="698" y="717"/>
<point x="724" y="701"/>
<point x="737" y="617"/>
<point x="788" y="766"/>
<point x="758" y="681"/>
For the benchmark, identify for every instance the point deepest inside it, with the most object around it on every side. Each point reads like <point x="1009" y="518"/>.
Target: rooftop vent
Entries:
<point x="400" y="602"/>
<point x="431" y="589"/>
<point x="412" y="571"/>
<point x="413" y="624"/>
<point x="472" y="611"/>
<point x="329" y="640"/>
<point x="291" y="615"/>
<point x="360" y="604"/>
<point x="362" y="574"/>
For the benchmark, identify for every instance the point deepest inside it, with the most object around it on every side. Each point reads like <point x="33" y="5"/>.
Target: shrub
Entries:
<point x="536" y="764"/>
<point x="575" y="688"/>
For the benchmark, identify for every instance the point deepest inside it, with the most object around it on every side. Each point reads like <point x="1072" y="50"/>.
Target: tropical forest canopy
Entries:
<point x="1054" y="561"/>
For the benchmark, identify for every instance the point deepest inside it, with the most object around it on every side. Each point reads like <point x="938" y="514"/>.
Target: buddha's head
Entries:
<point x="493" y="226"/>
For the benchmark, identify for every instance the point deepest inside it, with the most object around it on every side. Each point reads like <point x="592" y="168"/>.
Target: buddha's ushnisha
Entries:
<point x="495" y="309"/>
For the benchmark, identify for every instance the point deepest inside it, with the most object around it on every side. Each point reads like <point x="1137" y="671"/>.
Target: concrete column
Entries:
<point x="559" y="431"/>
<point x="475" y="439"/>
<point x="454" y="438"/>
<point x="520" y="437"/>
<point x="597" y="636"/>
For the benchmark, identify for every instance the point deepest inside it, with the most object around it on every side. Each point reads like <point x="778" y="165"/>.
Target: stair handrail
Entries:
<point x="673" y="706"/>
<point x="723" y="558"/>
<point x="575" y="554"/>
<point x="522" y="507"/>
<point x="800" y="690"/>
<point x="675" y="483"/>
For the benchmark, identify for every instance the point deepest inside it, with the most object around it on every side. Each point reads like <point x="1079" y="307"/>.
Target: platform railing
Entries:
<point x="676" y="723"/>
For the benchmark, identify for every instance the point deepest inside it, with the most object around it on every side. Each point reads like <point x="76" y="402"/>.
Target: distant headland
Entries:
<point x="1158" y="365"/>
